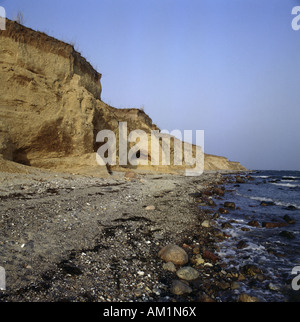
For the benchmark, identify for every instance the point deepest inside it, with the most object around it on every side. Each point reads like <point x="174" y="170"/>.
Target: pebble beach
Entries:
<point x="129" y="238"/>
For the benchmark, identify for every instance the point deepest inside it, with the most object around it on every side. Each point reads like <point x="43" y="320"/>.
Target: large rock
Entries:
<point x="209" y="255"/>
<point x="289" y="220"/>
<point x="253" y="223"/>
<point x="274" y="224"/>
<point x="169" y="266"/>
<point x="267" y="203"/>
<point x="287" y="234"/>
<point x="187" y="273"/>
<point x="205" y="224"/>
<point x="180" y="288"/>
<point x="229" y="204"/>
<point x="248" y="298"/>
<point x="219" y="192"/>
<point x="239" y="179"/>
<point x="223" y="211"/>
<point x="175" y="254"/>
<point x="252" y="270"/>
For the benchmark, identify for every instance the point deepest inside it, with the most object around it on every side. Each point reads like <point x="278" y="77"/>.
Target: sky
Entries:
<point x="230" y="68"/>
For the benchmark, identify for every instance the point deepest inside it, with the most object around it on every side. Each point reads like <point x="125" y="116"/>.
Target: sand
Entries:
<point x="78" y="238"/>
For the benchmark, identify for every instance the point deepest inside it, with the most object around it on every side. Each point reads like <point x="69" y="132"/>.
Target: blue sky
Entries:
<point x="230" y="68"/>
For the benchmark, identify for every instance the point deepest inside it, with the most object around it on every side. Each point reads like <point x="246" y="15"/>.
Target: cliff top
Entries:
<point x="46" y="43"/>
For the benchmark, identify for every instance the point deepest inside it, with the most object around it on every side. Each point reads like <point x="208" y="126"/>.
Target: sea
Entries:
<point x="269" y="196"/>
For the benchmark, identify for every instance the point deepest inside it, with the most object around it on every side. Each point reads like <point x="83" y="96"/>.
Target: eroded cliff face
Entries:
<point x="51" y="108"/>
<point x="48" y="98"/>
<point x="214" y="162"/>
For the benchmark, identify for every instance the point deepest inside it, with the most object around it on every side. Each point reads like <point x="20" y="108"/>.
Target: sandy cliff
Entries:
<point x="51" y="108"/>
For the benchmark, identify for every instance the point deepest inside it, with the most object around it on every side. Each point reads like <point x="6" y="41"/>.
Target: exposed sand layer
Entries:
<point x="51" y="111"/>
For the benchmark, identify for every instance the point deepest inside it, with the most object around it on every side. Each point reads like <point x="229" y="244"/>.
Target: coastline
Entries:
<point x="264" y="229"/>
<point x="75" y="238"/>
<point x="85" y="239"/>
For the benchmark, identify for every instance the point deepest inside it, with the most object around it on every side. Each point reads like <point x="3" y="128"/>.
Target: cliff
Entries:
<point x="213" y="162"/>
<point x="51" y="108"/>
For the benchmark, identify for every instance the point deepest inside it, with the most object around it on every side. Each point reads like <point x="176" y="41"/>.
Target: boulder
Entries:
<point x="187" y="273"/>
<point x="211" y="203"/>
<point x="251" y="270"/>
<point x="209" y="255"/>
<point x="267" y="203"/>
<point x="241" y="244"/>
<point x="291" y="208"/>
<point x="273" y="224"/>
<point x="205" y="224"/>
<point x="223" y="211"/>
<point x="239" y="179"/>
<point x="174" y="253"/>
<point x="180" y="288"/>
<point x="169" y="266"/>
<point x="287" y="234"/>
<point x="289" y="220"/>
<point x="229" y="204"/>
<point x="247" y="298"/>
<point x="226" y="225"/>
<point x="151" y="207"/>
<point x="219" y="192"/>
<point x="253" y="223"/>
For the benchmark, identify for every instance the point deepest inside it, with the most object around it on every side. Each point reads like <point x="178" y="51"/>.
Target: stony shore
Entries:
<point x="75" y="238"/>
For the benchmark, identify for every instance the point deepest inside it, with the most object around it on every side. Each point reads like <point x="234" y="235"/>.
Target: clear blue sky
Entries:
<point x="231" y="68"/>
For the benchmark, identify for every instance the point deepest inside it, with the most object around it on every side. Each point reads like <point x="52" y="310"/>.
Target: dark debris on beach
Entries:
<point x="97" y="240"/>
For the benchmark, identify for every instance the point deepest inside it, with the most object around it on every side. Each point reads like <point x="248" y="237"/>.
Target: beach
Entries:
<point x="75" y="238"/>
<point x="86" y="239"/>
<point x="103" y="123"/>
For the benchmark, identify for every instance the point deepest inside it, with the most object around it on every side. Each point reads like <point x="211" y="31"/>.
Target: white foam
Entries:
<point x="285" y="204"/>
<point x="260" y="198"/>
<point x="276" y="202"/>
<point x="264" y="177"/>
<point x="290" y="185"/>
<point x="252" y="246"/>
<point x="241" y="220"/>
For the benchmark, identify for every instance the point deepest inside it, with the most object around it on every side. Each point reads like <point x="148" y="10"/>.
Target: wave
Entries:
<point x="276" y="202"/>
<point x="264" y="177"/>
<point x="259" y="198"/>
<point x="290" y="185"/>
